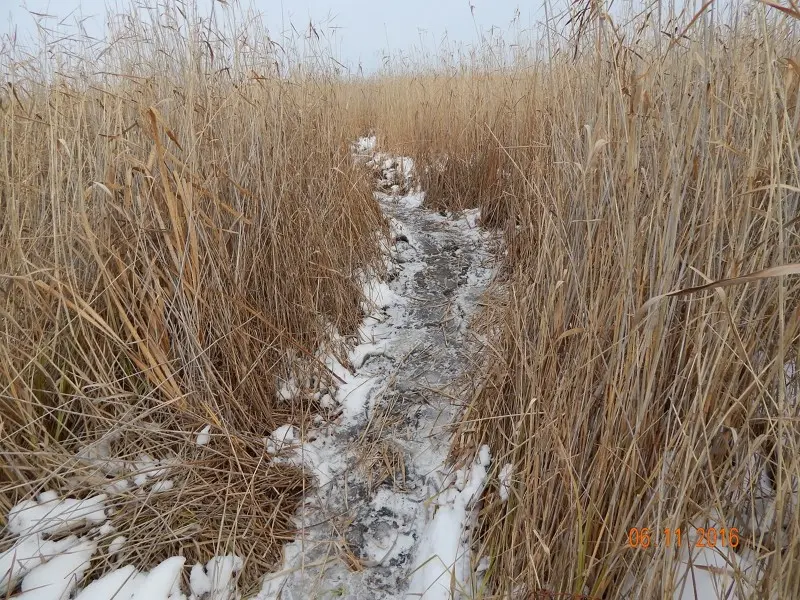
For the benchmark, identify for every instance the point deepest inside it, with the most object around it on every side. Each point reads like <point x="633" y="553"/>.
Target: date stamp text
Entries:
<point x="643" y="537"/>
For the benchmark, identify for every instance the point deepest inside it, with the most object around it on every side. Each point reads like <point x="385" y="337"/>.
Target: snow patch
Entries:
<point x="413" y="200"/>
<point x="473" y="217"/>
<point x="58" y="577"/>
<point x="27" y="554"/>
<point x="444" y="553"/>
<point x="53" y="515"/>
<point x="505" y="481"/>
<point x="365" y="145"/>
<point x="162" y="486"/>
<point x="159" y="583"/>
<point x="284" y="436"/>
<point x="120" y="584"/>
<point x="117" y="544"/>
<point x="204" y="436"/>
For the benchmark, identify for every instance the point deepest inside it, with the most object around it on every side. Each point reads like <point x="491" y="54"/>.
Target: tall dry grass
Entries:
<point x="625" y="160"/>
<point x="181" y="211"/>
<point x="180" y="224"/>
<point x="650" y="167"/>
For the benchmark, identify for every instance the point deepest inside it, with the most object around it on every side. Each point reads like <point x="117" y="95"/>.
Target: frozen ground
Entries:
<point x="390" y="519"/>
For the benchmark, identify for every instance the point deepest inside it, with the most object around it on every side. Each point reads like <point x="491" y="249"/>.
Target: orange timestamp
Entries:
<point x="710" y="537"/>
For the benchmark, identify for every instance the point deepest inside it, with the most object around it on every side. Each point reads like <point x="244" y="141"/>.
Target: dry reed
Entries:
<point x="180" y="227"/>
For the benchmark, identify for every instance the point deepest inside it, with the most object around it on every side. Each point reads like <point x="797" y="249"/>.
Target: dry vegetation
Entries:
<point x="177" y="224"/>
<point x="174" y="227"/>
<point x="624" y="163"/>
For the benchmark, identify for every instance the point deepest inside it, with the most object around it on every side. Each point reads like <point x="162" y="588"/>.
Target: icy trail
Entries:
<point x="390" y="519"/>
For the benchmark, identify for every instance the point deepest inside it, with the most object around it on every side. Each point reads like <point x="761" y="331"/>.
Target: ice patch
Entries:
<point x="379" y="295"/>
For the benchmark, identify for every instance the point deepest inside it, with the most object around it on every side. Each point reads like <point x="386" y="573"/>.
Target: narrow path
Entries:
<point x="381" y="466"/>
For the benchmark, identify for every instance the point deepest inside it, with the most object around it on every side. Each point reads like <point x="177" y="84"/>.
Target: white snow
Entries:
<point x="162" y="486"/>
<point x="117" y="487"/>
<point x="288" y="390"/>
<point x="221" y="571"/>
<point x="354" y="395"/>
<point x="413" y="200"/>
<point x="214" y="581"/>
<point x="326" y="402"/>
<point x="54" y="515"/>
<point x="505" y="481"/>
<point x="362" y="352"/>
<point x="47" y="496"/>
<point x="365" y="145"/>
<point x="714" y="573"/>
<point x="271" y="587"/>
<point x="204" y="436"/>
<point x="439" y="545"/>
<point x="54" y="569"/>
<point x="117" y="544"/>
<point x="199" y="583"/>
<point x="285" y="436"/>
<point x="58" y="577"/>
<point x="160" y="581"/>
<point x="444" y="554"/>
<point x="473" y="217"/>
<point x="119" y="584"/>
<point x="28" y="553"/>
<point x="99" y="454"/>
<point x="393" y="529"/>
<point x="408" y="167"/>
<point x="380" y="296"/>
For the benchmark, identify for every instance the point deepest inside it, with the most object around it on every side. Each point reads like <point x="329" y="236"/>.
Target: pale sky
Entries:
<point x="363" y="29"/>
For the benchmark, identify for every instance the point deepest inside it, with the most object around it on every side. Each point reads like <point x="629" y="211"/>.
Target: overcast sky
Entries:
<point x="365" y="29"/>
